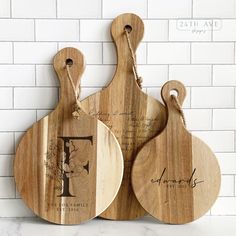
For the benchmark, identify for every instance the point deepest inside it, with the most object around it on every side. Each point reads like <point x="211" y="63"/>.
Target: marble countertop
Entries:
<point x="206" y="226"/>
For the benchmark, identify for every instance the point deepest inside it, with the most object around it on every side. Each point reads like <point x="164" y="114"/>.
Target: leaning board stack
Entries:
<point x="118" y="154"/>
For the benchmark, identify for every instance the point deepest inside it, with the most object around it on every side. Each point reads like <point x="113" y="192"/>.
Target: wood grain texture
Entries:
<point x="132" y="115"/>
<point x="68" y="170"/>
<point x="176" y="176"/>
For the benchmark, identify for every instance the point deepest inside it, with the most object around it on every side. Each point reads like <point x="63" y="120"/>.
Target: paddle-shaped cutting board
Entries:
<point x="132" y="115"/>
<point x="175" y="176"/>
<point x="68" y="170"/>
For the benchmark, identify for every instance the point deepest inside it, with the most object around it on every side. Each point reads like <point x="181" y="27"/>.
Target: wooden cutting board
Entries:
<point x="68" y="170"/>
<point x="132" y="115"/>
<point x="176" y="176"/>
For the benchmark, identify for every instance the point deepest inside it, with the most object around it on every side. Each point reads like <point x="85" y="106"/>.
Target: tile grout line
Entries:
<point x="12" y="48"/>
<point x="102" y="54"/>
<point x="234" y="185"/>
<point x="145" y="86"/>
<point x="56" y="9"/>
<point x="190" y="53"/>
<point x="168" y="30"/>
<point x="34" y="30"/>
<point x="146" y="51"/>
<point x="212" y="119"/>
<point x="140" y="64"/>
<point x="234" y="97"/>
<point x="168" y="72"/>
<point x="212" y="36"/>
<point x="190" y="95"/>
<point x="190" y="62"/>
<point x="212" y="76"/>
<point x="231" y="42"/>
<point x="36" y="117"/>
<point x="35" y="75"/>
<point x="10" y="9"/>
<point x="185" y="108"/>
<point x="112" y="18"/>
<point x="101" y="9"/>
<point x="234" y="54"/>
<point x="12" y="97"/>
<point x="192" y="8"/>
<point x="234" y="141"/>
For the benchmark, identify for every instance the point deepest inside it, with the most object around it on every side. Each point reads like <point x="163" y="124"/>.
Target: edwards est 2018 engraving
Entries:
<point x="191" y="182"/>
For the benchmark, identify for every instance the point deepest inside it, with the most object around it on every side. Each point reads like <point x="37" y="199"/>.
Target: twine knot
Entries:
<point x="77" y="106"/>
<point x="76" y="112"/>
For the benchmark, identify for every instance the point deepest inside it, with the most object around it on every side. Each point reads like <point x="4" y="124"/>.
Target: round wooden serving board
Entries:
<point x="133" y="116"/>
<point x="175" y="176"/>
<point x="68" y="170"/>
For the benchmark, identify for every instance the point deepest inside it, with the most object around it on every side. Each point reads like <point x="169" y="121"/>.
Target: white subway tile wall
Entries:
<point x="212" y="53"/>
<point x="34" y="52"/>
<point x="17" y="75"/>
<point x="33" y="8"/>
<point x="169" y="8"/>
<point x="188" y="40"/>
<point x="5" y="8"/>
<point x="79" y="9"/>
<point x="214" y="8"/>
<point x="168" y="53"/>
<point x="112" y="8"/>
<point x="6" y="52"/>
<point x="17" y="30"/>
<point x="56" y="30"/>
<point x="155" y="30"/>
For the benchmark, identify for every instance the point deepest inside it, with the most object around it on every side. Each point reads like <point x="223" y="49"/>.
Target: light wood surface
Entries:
<point x="132" y="115"/>
<point x="176" y="176"/>
<point x="68" y="170"/>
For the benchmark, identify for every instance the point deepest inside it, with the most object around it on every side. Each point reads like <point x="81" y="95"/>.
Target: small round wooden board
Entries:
<point x="133" y="116"/>
<point x="176" y="176"/>
<point x="68" y="170"/>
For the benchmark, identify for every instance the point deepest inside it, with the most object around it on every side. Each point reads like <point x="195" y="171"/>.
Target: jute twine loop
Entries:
<point x="77" y="109"/>
<point x="138" y="78"/>
<point x="179" y="108"/>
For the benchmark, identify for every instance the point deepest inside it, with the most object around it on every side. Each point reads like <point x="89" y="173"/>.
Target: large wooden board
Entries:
<point x="176" y="176"/>
<point x="132" y="115"/>
<point x="68" y="170"/>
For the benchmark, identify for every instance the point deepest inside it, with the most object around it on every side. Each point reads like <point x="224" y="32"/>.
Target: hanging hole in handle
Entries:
<point x="128" y="28"/>
<point x="174" y="92"/>
<point x="69" y="62"/>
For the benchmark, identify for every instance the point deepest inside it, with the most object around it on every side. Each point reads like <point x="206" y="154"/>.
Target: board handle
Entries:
<point x="75" y="60"/>
<point x="135" y="27"/>
<point x="173" y="94"/>
<point x="173" y="87"/>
